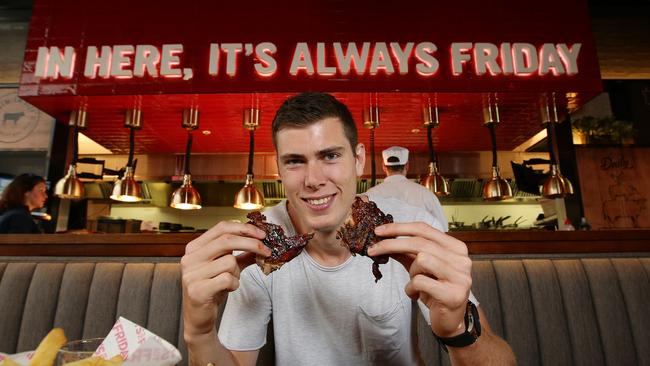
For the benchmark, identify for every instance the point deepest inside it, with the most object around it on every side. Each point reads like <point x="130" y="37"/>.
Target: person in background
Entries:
<point x="326" y="307"/>
<point x="26" y="193"/>
<point x="396" y="185"/>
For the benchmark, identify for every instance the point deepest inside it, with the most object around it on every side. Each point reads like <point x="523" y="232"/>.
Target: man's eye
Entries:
<point x="332" y="156"/>
<point x="292" y="162"/>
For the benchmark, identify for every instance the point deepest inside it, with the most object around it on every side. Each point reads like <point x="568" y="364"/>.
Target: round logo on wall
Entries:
<point x="17" y="118"/>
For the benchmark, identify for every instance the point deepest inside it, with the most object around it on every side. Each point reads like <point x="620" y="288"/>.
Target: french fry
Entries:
<point x="116" y="360"/>
<point x="90" y="361"/>
<point x="9" y="362"/>
<point x="97" y="361"/>
<point x="46" y="351"/>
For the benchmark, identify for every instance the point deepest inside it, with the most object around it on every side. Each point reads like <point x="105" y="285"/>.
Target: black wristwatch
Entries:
<point x="472" y="330"/>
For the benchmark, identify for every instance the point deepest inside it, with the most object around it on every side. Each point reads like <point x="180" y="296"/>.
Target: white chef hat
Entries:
<point x="395" y="155"/>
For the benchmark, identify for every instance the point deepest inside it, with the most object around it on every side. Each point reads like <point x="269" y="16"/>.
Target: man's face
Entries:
<point x="319" y="171"/>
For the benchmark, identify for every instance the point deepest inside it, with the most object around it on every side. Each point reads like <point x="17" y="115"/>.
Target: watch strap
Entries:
<point x="471" y="333"/>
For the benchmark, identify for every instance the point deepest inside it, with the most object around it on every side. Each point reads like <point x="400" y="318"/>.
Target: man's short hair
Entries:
<point x="395" y="168"/>
<point x="304" y="109"/>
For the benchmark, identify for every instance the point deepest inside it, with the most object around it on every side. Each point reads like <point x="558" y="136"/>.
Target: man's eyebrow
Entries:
<point x="329" y="150"/>
<point x="286" y="157"/>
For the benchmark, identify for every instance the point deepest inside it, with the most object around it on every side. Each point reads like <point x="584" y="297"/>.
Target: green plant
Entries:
<point x="604" y="130"/>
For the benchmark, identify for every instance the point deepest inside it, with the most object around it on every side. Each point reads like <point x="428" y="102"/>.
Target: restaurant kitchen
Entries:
<point x="134" y="94"/>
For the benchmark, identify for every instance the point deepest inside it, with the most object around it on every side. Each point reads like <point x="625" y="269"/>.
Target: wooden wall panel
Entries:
<point x="615" y="185"/>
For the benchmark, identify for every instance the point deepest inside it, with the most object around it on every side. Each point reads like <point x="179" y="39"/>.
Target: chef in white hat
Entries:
<point x="396" y="185"/>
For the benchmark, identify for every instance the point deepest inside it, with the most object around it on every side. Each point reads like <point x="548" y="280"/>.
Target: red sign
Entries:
<point x="152" y="47"/>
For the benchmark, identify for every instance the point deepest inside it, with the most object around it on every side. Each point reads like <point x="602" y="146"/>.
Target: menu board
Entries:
<point x="615" y="185"/>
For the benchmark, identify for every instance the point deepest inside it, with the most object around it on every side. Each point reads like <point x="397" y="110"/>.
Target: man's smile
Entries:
<point x="319" y="203"/>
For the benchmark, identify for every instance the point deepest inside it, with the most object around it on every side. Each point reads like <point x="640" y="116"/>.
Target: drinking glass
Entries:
<point x="77" y="350"/>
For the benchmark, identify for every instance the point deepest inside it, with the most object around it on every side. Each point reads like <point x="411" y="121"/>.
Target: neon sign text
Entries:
<point x="308" y="60"/>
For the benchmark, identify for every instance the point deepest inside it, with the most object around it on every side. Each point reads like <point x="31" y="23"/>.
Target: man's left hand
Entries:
<point x="439" y="267"/>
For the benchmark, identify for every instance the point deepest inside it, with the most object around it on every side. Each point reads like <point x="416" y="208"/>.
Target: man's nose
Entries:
<point x="314" y="176"/>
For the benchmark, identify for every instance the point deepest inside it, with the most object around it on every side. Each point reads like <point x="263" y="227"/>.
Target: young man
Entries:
<point x="396" y="185"/>
<point x="326" y="307"/>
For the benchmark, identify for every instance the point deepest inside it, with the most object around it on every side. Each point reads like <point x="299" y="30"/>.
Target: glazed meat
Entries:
<point x="283" y="248"/>
<point x="358" y="231"/>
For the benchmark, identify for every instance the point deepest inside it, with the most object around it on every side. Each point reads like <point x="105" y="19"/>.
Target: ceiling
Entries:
<point x="461" y="125"/>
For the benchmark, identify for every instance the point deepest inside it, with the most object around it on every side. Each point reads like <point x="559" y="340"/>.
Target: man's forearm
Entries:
<point x="489" y="349"/>
<point x="207" y="348"/>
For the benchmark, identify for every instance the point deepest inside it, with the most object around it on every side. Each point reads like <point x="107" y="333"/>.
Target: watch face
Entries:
<point x="17" y="118"/>
<point x="473" y="322"/>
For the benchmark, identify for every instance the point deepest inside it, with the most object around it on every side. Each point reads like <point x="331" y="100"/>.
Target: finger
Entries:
<point x="246" y="259"/>
<point x="207" y="270"/>
<point x="445" y="294"/>
<point x="458" y="271"/>
<point x="405" y="259"/>
<point x="205" y="291"/>
<point x="421" y="229"/>
<point x="221" y="228"/>
<point x="409" y="245"/>
<point x="226" y="244"/>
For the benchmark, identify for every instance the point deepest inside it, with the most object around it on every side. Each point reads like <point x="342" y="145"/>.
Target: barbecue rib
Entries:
<point x="358" y="231"/>
<point x="283" y="248"/>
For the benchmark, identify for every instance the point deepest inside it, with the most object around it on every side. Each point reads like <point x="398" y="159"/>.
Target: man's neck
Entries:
<point x="325" y="248"/>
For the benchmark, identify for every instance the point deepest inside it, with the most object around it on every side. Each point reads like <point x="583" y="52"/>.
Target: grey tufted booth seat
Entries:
<point x="552" y="310"/>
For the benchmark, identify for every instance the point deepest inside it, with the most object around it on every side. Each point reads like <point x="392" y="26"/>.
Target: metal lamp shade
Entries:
<point x="127" y="189"/>
<point x="556" y="185"/>
<point x="249" y="197"/>
<point x="70" y="187"/>
<point x="435" y="182"/>
<point x="568" y="187"/>
<point x="497" y="188"/>
<point x="186" y="197"/>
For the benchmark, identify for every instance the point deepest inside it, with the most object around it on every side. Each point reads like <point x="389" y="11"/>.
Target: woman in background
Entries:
<point x="27" y="192"/>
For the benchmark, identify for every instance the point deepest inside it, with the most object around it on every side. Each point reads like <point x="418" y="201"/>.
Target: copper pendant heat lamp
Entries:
<point x="186" y="197"/>
<point x="126" y="189"/>
<point x="434" y="181"/>
<point x="371" y="122"/>
<point x="556" y="185"/>
<point x="249" y="197"/>
<point x="497" y="188"/>
<point x="70" y="186"/>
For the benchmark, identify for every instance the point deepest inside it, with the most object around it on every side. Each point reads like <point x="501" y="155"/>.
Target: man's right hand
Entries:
<point x="210" y="270"/>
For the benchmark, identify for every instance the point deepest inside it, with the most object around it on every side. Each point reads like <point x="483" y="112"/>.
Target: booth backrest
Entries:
<point x="552" y="311"/>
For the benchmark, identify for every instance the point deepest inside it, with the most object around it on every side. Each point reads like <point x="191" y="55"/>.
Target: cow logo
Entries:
<point x="17" y="118"/>
<point x="625" y="204"/>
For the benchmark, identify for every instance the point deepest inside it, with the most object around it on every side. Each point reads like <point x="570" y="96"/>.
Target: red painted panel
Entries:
<point x="221" y="98"/>
<point x="461" y="127"/>
<point x="197" y="24"/>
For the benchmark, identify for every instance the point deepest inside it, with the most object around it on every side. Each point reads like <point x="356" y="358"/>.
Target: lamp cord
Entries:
<point x="432" y="154"/>
<point x="373" y="168"/>
<point x="250" y="152"/>
<point x="131" y="147"/>
<point x="75" y="145"/>
<point x="493" y="135"/>
<point x="550" y="134"/>
<point x="188" y="151"/>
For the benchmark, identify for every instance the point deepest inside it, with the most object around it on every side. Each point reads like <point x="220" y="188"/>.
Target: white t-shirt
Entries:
<point x="398" y="186"/>
<point x="326" y="315"/>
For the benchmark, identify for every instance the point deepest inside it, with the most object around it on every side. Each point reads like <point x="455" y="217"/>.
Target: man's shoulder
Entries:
<point x="402" y="211"/>
<point x="279" y="215"/>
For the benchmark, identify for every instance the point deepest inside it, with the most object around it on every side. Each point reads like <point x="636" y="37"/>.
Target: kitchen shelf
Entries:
<point x="459" y="201"/>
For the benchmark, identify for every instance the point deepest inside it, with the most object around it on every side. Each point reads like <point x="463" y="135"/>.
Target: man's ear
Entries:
<point x="406" y="168"/>
<point x="360" y="158"/>
<point x="277" y="164"/>
<point x="384" y="169"/>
